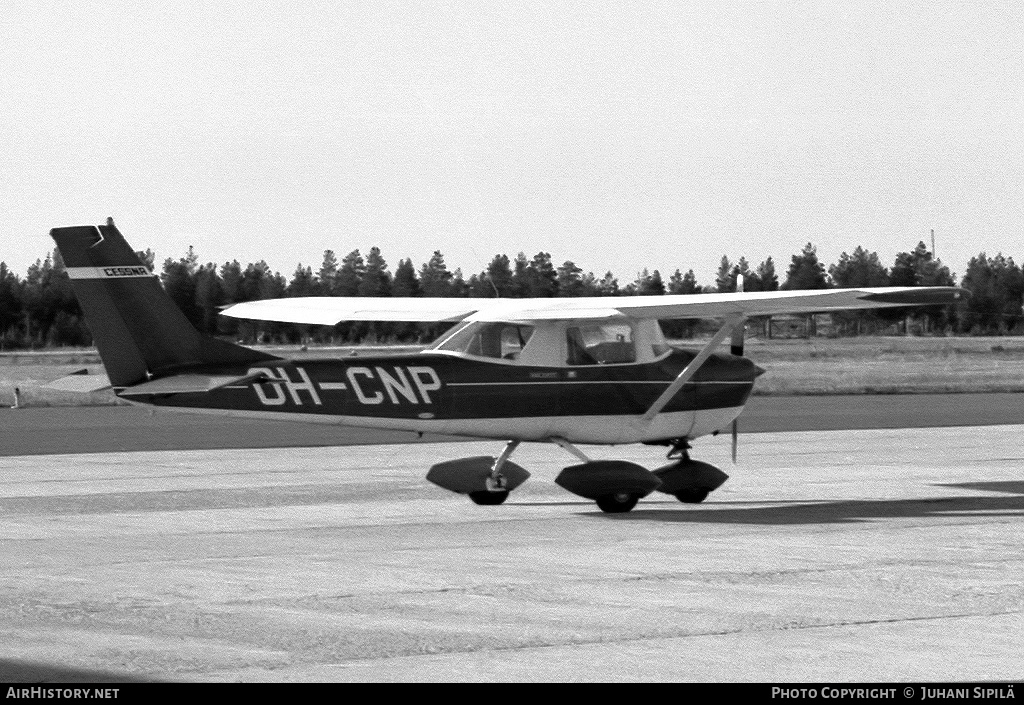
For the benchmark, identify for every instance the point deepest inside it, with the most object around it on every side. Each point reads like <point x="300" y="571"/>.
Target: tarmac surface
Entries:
<point x="33" y="431"/>
<point x="885" y="554"/>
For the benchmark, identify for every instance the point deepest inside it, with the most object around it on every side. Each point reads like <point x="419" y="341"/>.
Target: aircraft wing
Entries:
<point x="326" y="310"/>
<point x="329" y="310"/>
<point x="754" y="303"/>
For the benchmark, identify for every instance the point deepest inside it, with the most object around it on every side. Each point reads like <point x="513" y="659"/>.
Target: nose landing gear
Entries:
<point x="690" y="481"/>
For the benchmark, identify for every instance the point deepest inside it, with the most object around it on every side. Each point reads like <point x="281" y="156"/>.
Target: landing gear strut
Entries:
<point x="495" y="491"/>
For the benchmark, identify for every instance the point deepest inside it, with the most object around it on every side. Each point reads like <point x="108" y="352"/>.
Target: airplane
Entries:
<point x="567" y="371"/>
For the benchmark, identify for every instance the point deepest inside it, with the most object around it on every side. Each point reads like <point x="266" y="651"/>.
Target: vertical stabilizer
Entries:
<point x="137" y="328"/>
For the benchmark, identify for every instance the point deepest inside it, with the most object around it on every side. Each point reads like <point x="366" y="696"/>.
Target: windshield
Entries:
<point x="498" y="340"/>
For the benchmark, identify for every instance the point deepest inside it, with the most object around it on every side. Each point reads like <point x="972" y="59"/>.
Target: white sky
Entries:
<point x="617" y="135"/>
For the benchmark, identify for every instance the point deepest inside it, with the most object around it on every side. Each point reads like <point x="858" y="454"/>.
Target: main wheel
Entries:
<point x="694" y="495"/>
<point x="487" y="497"/>
<point x="617" y="503"/>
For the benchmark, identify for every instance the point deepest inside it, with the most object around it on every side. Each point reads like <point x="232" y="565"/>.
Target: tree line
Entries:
<point x="40" y="310"/>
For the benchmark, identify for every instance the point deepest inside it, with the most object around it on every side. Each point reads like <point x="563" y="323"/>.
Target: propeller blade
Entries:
<point x="736" y="343"/>
<point x="735" y="438"/>
<point x="736" y="348"/>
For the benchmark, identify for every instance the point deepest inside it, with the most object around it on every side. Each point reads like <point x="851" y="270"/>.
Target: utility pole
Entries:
<point x="933" y="244"/>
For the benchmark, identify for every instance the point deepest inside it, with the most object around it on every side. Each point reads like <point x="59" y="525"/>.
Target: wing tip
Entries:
<point x="919" y="296"/>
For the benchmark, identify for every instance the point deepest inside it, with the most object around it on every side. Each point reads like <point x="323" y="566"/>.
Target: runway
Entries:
<point x="841" y="555"/>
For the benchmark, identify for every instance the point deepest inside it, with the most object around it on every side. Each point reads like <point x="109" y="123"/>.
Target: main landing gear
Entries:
<point x="615" y="485"/>
<point x="487" y="480"/>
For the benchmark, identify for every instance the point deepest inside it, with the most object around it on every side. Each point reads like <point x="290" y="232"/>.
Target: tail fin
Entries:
<point x="137" y="328"/>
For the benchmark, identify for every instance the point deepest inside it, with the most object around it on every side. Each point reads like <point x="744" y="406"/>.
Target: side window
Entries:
<point x="603" y="344"/>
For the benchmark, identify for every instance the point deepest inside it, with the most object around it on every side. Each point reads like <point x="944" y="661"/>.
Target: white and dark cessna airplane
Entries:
<point x="565" y="371"/>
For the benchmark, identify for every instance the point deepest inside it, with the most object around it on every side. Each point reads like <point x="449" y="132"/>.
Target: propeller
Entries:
<point x="736" y="348"/>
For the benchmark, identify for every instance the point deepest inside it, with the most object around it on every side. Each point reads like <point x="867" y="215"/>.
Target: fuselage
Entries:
<point x="439" y="392"/>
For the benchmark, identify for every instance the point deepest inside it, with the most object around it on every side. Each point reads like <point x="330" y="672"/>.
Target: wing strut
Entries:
<point x="732" y="323"/>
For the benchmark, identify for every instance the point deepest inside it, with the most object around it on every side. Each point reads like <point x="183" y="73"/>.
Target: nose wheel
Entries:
<point x="617" y="503"/>
<point x="692" y="496"/>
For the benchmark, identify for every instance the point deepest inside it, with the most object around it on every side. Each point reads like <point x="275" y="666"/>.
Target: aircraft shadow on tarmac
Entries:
<point x="35" y="673"/>
<point x="848" y="511"/>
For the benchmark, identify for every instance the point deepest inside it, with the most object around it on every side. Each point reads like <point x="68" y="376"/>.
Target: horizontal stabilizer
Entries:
<point x="80" y="382"/>
<point x="188" y="384"/>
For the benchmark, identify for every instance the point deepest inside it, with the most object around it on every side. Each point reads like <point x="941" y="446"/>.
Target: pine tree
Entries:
<point x="751" y="282"/>
<point x="37" y="314"/>
<point x="209" y="297"/>
<point x="251" y="286"/>
<point x="724" y="280"/>
<point x="997" y="293"/>
<point x="10" y="307"/>
<point x="327" y="275"/>
<point x="766" y="276"/>
<point x="608" y="286"/>
<point x="589" y="285"/>
<point x="543" y="276"/>
<point x="520" y="281"/>
<point x="805" y="271"/>
<point x="497" y="277"/>
<point x="570" y="280"/>
<point x="179" y="280"/>
<point x="649" y="284"/>
<point x="350" y="274"/>
<point x="919" y="268"/>
<point x="148" y="258"/>
<point x="302" y="283"/>
<point x="435" y="279"/>
<point x="861" y="269"/>
<point x="405" y="282"/>
<point x="376" y="278"/>
<point x="680" y="283"/>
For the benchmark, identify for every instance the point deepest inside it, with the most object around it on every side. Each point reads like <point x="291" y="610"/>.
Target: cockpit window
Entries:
<point x="600" y="344"/>
<point x="498" y="340"/>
